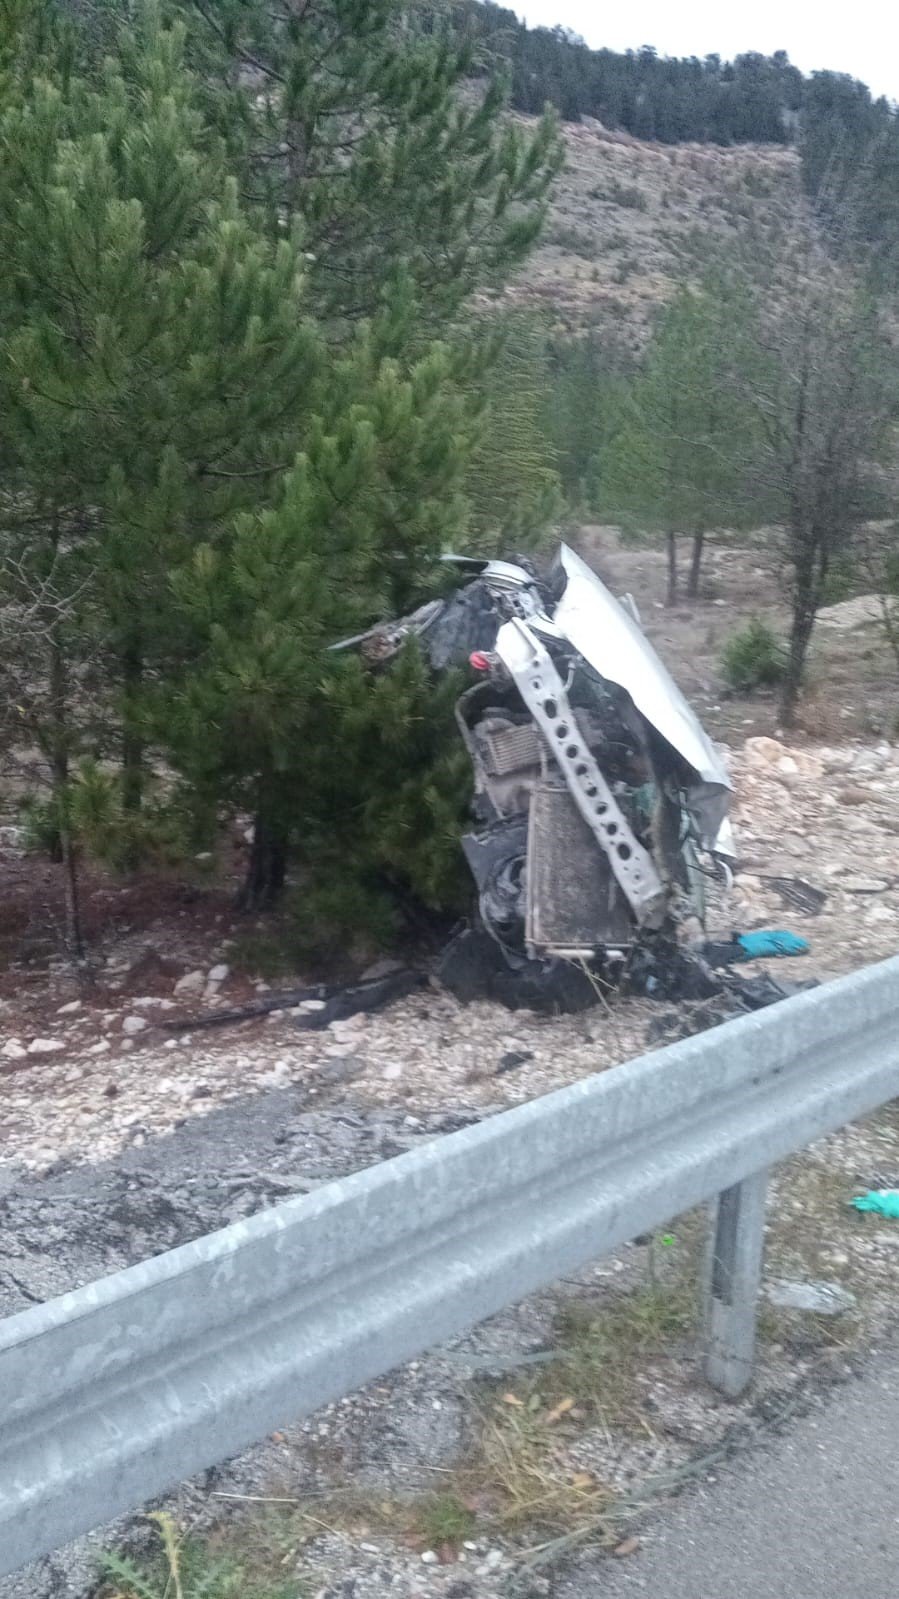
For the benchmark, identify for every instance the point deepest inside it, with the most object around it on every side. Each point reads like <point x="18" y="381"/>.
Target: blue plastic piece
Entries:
<point x="885" y="1201"/>
<point x="755" y="945"/>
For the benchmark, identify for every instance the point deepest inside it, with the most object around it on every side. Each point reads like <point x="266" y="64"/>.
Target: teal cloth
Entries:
<point x="754" y="945"/>
<point x="885" y="1201"/>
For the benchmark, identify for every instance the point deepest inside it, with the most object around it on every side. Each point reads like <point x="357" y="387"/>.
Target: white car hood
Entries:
<point x="603" y="632"/>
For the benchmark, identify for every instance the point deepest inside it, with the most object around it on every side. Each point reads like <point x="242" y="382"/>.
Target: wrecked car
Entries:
<point x="600" y="804"/>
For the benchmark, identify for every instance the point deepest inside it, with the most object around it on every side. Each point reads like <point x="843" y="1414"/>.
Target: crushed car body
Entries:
<point x="600" y="803"/>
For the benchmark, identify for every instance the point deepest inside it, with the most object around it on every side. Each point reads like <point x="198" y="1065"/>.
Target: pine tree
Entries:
<point x="155" y="367"/>
<point x="512" y="485"/>
<point x="677" y="462"/>
<point x="355" y="117"/>
<point x="374" y="491"/>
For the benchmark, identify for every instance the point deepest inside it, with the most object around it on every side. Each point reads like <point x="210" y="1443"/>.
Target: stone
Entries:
<point x="763" y="752"/>
<point x="821" y="1298"/>
<point x="71" y="1009"/>
<point x="14" y="1049"/>
<point x="429" y="1558"/>
<point x="190" y="983"/>
<point x="868" y="761"/>
<point x="219" y="974"/>
<point x="100" y="1048"/>
<point x="853" y="795"/>
<point x="863" y="885"/>
<point x="340" y="1070"/>
<point x="45" y="1046"/>
<point x="133" y="1024"/>
<point x="277" y="1077"/>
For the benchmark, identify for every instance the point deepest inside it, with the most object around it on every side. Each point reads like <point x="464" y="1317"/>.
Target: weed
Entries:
<point x="442" y="1519"/>
<point x="522" y="1475"/>
<point x="189" y="1569"/>
<point x="753" y="657"/>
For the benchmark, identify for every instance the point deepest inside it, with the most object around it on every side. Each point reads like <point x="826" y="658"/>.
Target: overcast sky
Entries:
<point x="861" y="38"/>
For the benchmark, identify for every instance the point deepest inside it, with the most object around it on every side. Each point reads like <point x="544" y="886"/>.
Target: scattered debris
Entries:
<point x="798" y="895"/>
<point x="753" y="946"/>
<point x="821" y="1298"/>
<point x="315" y="1006"/>
<point x="884" y="1201"/>
<point x="360" y="998"/>
<point x="771" y="942"/>
<point x="513" y="1058"/>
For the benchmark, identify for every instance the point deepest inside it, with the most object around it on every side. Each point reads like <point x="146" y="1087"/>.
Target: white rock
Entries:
<point x="429" y="1558"/>
<point x="170" y="1043"/>
<point x="763" y="752"/>
<point x="14" y="1049"/>
<point x="45" y="1046"/>
<point x="133" y="1024"/>
<point x="70" y="1009"/>
<point x="152" y="1002"/>
<point x="311" y="1004"/>
<point x="100" y="1048"/>
<point x="190" y="983"/>
<point x="277" y="1077"/>
<point x="392" y="1072"/>
<point x="218" y="974"/>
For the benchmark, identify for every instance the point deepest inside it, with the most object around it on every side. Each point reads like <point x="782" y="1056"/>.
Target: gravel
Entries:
<point x="119" y="1142"/>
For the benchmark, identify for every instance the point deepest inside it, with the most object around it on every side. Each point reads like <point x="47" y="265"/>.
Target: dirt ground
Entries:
<point x="853" y="678"/>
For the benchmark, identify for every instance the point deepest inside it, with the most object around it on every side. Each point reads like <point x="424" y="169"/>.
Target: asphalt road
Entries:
<point x="813" y="1515"/>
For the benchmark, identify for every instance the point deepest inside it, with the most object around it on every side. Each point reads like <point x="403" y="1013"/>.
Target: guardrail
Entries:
<point x="110" y="1394"/>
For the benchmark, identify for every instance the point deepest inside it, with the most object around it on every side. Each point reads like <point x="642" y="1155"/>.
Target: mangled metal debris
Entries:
<point x="597" y="791"/>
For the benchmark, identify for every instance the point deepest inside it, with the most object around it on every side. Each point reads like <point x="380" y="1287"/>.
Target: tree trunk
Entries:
<point x="806" y="595"/>
<point x="671" y="546"/>
<point x="695" y="565"/>
<point x="132" y="743"/>
<point x="267" y="867"/>
<point x="59" y="767"/>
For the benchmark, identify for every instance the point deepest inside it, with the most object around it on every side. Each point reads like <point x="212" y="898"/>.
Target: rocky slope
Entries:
<point x="629" y="217"/>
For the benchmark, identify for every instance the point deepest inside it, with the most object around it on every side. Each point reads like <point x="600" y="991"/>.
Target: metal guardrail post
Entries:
<point x="733" y="1278"/>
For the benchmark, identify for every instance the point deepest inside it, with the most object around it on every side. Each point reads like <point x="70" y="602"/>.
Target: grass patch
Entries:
<point x="522" y="1479"/>
<point x="444" y="1519"/>
<point x="195" y="1569"/>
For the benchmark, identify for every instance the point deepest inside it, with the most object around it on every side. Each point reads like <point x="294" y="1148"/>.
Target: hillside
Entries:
<point x="629" y="216"/>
